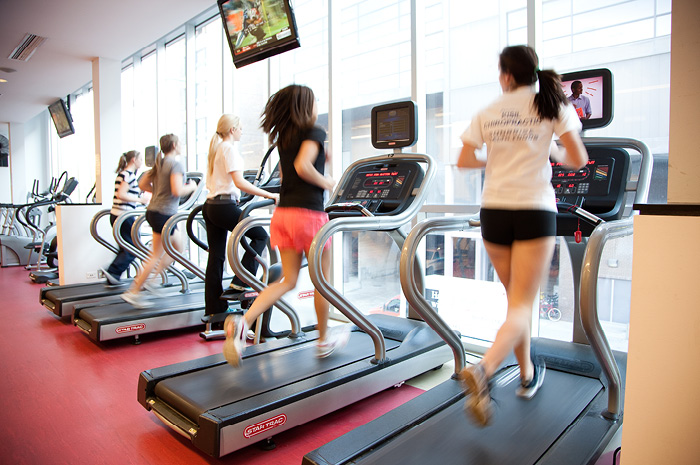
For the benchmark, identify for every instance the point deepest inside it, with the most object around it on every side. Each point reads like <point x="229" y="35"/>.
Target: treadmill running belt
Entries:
<point x="194" y="393"/>
<point x="521" y="436"/>
<point x="122" y="311"/>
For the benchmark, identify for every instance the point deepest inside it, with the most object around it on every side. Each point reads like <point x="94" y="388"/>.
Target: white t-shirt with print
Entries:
<point x="226" y="160"/>
<point x="518" y="170"/>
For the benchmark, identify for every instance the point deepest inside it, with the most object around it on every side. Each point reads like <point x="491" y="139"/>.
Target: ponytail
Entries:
<point x="125" y="159"/>
<point x="550" y="98"/>
<point x="522" y="63"/>
<point x="213" y="145"/>
<point x="167" y="145"/>
<point x="224" y="126"/>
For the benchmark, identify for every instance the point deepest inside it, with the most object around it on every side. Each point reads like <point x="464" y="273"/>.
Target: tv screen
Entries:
<point x="258" y="29"/>
<point x="590" y="92"/>
<point x="394" y="125"/>
<point x="61" y="118"/>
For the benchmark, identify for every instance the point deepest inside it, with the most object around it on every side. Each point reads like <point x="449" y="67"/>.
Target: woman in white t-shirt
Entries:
<point x="221" y="213"/>
<point x="518" y="208"/>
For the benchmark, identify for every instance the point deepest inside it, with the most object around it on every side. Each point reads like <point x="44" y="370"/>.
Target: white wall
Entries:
<point x="30" y="156"/>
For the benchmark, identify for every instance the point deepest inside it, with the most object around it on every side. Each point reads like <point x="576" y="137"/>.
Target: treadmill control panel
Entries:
<point x="598" y="187"/>
<point x="591" y="180"/>
<point x="385" y="188"/>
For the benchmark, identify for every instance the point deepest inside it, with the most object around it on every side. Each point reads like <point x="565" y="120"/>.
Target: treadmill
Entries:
<point x="113" y="318"/>
<point x="61" y="300"/>
<point x="281" y="384"/>
<point x="580" y="405"/>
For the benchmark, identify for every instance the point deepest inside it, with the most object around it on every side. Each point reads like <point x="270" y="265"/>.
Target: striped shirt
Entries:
<point x="120" y="206"/>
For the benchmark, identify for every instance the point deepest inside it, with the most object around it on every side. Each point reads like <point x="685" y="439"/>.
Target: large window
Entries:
<point x="173" y="92"/>
<point x="454" y="45"/>
<point x="631" y="38"/>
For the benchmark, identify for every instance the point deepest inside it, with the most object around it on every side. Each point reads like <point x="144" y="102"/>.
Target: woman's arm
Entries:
<point x="304" y="166"/>
<point x="145" y="182"/>
<point x="467" y="158"/>
<point x="177" y="188"/>
<point x="123" y="194"/>
<point x="574" y="154"/>
<point x="244" y="185"/>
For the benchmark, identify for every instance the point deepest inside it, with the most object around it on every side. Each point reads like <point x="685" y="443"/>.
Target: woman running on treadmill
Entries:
<point x="127" y="197"/>
<point x="518" y="207"/>
<point x="289" y="120"/>
<point x="166" y="181"/>
<point x="221" y="213"/>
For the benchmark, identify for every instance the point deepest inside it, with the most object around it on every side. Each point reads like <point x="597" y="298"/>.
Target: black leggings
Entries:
<point x="506" y="226"/>
<point x="220" y="218"/>
<point x="123" y="259"/>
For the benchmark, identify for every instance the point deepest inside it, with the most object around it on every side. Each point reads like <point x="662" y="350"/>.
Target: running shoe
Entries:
<point x="336" y="338"/>
<point x="153" y="287"/>
<point x="528" y="389"/>
<point x="236" y="330"/>
<point x="110" y="278"/>
<point x="136" y="299"/>
<point x="476" y="387"/>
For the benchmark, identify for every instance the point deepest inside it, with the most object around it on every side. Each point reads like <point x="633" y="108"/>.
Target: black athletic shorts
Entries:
<point x="505" y="226"/>
<point x="157" y="221"/>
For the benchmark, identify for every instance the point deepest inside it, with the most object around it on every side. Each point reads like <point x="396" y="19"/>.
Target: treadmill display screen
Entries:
<point x="591" y="180"/>
<point x="393" y="125"/>
<point x="384" y="184"/>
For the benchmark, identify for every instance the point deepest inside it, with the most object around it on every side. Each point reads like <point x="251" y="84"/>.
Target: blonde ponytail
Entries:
<point x="225" y="124"/>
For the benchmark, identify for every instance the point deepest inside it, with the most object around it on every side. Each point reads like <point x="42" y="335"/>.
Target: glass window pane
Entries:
<point x="174" y="85"/>
<point x="146" y="103"/>
<point x="250" y="91"/>
<point x="127" y="107"/>
<point x="208" y="78"/>
<point x="371" y="75"/>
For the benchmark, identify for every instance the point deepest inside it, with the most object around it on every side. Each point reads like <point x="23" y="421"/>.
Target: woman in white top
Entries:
<point x="221" y="213"/>
<point x="518" y="209"/>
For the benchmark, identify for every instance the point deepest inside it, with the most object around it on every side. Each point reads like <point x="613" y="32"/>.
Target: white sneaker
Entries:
<point x="336" y="339"/>
<point x="154" y="288"/>
<point x="528" y="389"/>
<point x="135" y="299"/>
<point x="110" y="278"/>
<point x="236" y="330"/>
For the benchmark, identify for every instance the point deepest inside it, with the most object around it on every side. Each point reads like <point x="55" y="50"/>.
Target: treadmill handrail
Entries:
<point x="410" y="286"/>
<point x="365" y="223"/>
<point x="644" y="181"/>
<point x="234" y="260"/>
<point x="96" y="235"/>
<point x="589" y="306"/>
<point x="134" y="249"/>
<point x="170" y="249"/>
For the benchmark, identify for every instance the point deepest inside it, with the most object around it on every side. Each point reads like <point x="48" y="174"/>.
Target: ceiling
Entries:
<point x="77" y="31"/>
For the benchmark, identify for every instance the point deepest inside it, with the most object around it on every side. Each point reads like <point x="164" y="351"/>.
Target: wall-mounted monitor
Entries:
<point x="61" y="118"/>
<point x="150" y="156"/>
<point x="394" y="125"/>
<point x="591" y="93"/>
<point x="258" y="29"/>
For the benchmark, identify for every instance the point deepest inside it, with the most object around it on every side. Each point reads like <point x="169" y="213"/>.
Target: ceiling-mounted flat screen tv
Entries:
<point x="258" y="29"/>
<point x="61" y="118"/>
